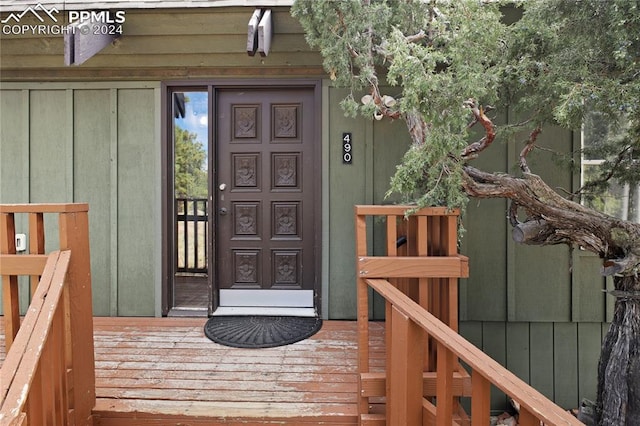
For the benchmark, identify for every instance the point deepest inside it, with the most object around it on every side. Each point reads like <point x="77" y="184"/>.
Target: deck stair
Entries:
<point x="416" y="271"/>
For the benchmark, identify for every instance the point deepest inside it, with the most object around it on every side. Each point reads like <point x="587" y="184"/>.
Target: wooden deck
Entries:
<point x="164" y="371"/>
<point x="64" y="367"/>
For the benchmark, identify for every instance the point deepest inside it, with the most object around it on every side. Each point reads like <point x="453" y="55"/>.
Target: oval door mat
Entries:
<point x="260" y="331"/>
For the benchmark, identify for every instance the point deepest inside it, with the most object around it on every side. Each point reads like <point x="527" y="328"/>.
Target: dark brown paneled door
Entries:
<point x="266" y="192"/>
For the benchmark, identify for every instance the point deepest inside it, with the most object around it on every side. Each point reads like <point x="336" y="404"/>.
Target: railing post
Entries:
<point x="10" y="300"/>
<point x="36" y="242"/>
<point x="362" y="307"/>
<point x="444" y="386"/>
<point x="404" y="400"/>
<point x="480" y="399"/>
<point x="74" y="236"/>
<point x="527" y="419"/>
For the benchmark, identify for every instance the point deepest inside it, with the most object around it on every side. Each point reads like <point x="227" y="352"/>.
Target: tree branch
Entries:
<point x="619" y="159"/>
<point x="528" y="147"/>
<point x="531" y="231"/>
<point x="479" y="116"/>
<point x="417" y="127"/>
<point x="552" y="219"/>
<point x="416" y="37"/>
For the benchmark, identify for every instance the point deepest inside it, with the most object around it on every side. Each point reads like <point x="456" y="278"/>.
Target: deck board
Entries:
<point x="165" y="371"/>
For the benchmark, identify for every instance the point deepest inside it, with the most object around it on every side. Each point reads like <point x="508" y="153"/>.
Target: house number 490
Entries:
<point x="347" y="156"/>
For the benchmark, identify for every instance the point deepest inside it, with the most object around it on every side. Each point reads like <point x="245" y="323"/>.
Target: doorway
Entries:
<point x="244" y="230"/>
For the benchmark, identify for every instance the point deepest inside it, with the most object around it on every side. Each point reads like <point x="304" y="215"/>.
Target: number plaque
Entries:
<point x="347" y="156"/>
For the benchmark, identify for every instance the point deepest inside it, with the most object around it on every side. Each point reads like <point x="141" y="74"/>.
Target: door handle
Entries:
<point x="223" y="211"/>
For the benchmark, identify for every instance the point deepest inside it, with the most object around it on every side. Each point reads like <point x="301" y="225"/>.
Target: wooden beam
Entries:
<point x="385" y="210"/>
<point x="22" y="264"/>
<point x="480" y="398"/>
<point x="532" y="400"/>
<point x="372" y="420"/>
<point x="10" y="294"/>
<point x="44" y="208"/>
<point x="404" y="375"/>
<point x="144" y="73"/>
<point x="265" y="31"/>
<point x="444" y="386"/>
<point x="413" y="266"/>
<point x="14" y="358"/>
<point x="84" y="40"/>
<point x="374" y="384"/>
<point x="36" y="242"/>
<point x="32" y="365"/>
<point x="252" y="32"/>
<point x="73" y="230"/>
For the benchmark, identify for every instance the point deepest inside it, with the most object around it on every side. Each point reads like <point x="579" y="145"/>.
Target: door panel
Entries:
<point x="266" y="210"/>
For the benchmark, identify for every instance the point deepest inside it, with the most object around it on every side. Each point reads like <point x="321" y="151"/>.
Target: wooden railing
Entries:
<point x="424" y="379"/>
<point x="48" y="376"/>
<point x="192" y="223"/>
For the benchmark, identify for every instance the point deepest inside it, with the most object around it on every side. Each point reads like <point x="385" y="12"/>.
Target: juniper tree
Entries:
<point x="450" y="63"/>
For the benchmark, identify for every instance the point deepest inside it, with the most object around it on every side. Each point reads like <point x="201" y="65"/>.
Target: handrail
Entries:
<point x="37" y="358"/>
<point x="417" y="275"/>
<point x="534" y="407"/>
<point x="60" y="337"/>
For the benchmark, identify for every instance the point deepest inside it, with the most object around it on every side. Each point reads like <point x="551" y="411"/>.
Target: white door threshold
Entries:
<point x="264" y="311"/>
<point x="267" y="298"/>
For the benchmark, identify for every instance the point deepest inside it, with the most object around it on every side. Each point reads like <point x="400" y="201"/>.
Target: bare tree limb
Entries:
<point x="416" y="37"/>
<point x="479" y="116"/>
<point x="529" y="231"/>
<point x="619" y="159"/>
<point x="552" y="219"/>
<point x="417" y="127"/>
<point x="528" y="147"/>
<point x="513" y="213"/>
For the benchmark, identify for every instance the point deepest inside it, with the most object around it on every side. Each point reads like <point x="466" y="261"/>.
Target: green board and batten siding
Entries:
<point x="94" y="136"/>
<point x="101" y="146"/>
<point x="538" y="310"/>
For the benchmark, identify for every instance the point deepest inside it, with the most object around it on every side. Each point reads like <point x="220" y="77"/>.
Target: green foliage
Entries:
<point x="429" y="175"/>
<point x="573" y="63"/>
<point x="190" y="156"/>
<point x="437" y="56"/>
<point x="563" y="60"/>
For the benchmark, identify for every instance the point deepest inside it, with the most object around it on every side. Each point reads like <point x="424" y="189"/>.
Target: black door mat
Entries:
<point x="260" y="331"/>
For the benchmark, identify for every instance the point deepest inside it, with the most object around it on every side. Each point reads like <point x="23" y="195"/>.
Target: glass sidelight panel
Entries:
<point x="191" y="189"/>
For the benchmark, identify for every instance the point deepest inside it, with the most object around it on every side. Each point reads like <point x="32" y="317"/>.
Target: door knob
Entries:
<point x="222" y="186"/>
<point x="223" y="211"/>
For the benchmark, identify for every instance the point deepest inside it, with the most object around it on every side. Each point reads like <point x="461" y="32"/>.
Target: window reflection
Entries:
<point x="621" y="200"/>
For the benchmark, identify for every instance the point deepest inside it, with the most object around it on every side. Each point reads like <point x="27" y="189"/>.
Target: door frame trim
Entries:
<point x="167" y="209"/>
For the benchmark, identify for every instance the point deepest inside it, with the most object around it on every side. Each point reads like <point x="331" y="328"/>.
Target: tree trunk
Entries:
<point x="551" y="219"/>
<point x="618" y="400"/>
